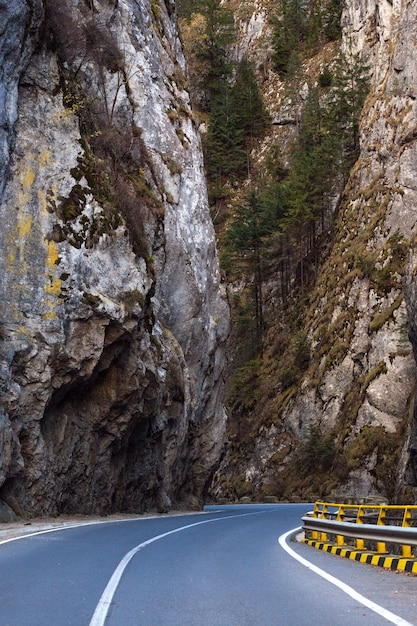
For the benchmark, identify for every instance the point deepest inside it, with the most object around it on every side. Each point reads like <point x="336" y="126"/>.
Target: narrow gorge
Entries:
<point x="124" y="383"/>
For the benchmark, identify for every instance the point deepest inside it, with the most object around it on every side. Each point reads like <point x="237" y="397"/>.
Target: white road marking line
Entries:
<point x="70" y="525"/>
<point x="103" y="606"/>
<point x="391" y="617"/>
<point x="42" y="532"/>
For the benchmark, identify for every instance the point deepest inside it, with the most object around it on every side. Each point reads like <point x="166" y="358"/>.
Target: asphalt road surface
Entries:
<point x="228" y="566"/>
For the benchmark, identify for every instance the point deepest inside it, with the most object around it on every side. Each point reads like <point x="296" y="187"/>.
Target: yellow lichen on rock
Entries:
<point x="53" y="284"/>
<point x="24" y="226"/>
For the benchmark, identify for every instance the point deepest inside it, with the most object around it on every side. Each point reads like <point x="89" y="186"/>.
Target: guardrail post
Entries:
<point x="314" y="533"/>
<point x="340" y="539"/>
<point x="381" y="547"/>
<point x="360" y="543"/>
<point x="406" y="550"/>
<point x="322" y="535"/>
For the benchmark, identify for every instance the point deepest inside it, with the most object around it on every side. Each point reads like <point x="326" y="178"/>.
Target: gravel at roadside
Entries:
<point x="12" y="530"/>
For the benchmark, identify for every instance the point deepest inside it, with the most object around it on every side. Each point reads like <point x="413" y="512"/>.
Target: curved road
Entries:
<point x="223" y="567"/>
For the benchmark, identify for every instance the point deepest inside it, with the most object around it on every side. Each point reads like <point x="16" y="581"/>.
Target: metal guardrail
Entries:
<point x="363" y="523"/>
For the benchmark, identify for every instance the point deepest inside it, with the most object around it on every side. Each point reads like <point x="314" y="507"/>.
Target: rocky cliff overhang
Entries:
<point x="113" y="315"/>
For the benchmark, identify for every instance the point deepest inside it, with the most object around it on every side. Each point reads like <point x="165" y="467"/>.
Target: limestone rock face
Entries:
<point x="19" y="21"/>
<point x="380" y="208"/>
<point x="114" y="319"/>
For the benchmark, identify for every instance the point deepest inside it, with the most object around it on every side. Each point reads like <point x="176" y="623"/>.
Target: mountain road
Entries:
<point x="227" y="566"/>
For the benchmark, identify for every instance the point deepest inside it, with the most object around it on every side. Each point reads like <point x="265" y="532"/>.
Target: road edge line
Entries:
<point x="388" y="615"/>
<point x="69" y="525"/>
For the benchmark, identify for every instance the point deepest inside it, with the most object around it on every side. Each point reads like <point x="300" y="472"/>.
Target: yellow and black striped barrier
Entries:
<point x="367" y="533"/>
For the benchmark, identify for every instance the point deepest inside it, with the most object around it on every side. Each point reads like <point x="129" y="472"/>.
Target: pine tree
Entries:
<point x="314" y="34"/>
<point x="303" y="196"/>
<point x="224" y="145"/>
<point x="220" y="35"/>
<point x="247" y="231"/>
<point x="237" y="115"/>
<point x="290" y="27"/>
<point x="332" y="14"/>
<point x="315" y="154"/>
<point x="251" y="114"/>
<point x="351" y="86"/>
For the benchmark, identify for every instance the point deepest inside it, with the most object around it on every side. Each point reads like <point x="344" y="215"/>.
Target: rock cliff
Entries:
<point x="113" y="317"/>
<point x="353" y="408"/>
